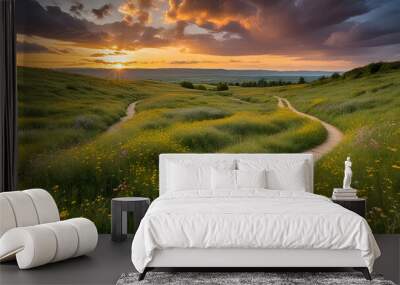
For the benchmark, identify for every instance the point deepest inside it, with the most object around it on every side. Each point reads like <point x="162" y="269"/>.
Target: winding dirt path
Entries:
<point x="335" y="136"/>
<point x="130" y="112"/>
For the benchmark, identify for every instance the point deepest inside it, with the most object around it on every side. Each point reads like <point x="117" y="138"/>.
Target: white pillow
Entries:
<point x="251" y="178"/>
<point x="229" y="180"/>
<point x="223" y="179"/>
<point x="184" y="178"/>
<point x="193" y="174"/>
<point x="290" y="175"/>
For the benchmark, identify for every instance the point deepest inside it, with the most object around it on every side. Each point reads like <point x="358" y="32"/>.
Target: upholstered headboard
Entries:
<point x="210" y="157"/>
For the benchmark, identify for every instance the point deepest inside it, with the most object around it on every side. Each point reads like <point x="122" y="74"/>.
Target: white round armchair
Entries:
<point x="31" y="230"/>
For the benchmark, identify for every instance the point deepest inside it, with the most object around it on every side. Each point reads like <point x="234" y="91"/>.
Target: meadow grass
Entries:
<point x="63" y="146"/>
<point x="84" y="167"/>
<point x="367" y="110"/>
<point x="57" y="110"/>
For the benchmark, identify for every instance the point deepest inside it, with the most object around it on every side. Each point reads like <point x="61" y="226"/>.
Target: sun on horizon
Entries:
<point x="118" y="66"/>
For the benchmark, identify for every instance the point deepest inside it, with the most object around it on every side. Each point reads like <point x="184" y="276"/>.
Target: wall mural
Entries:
<point x="105" y="86"/>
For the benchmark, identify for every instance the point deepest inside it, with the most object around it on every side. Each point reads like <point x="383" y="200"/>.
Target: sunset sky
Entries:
<point x="231" y="34"/>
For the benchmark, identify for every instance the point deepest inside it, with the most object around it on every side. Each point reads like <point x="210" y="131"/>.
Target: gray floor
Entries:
<point x="110" y="260"/>
<point x="103" y="266"/>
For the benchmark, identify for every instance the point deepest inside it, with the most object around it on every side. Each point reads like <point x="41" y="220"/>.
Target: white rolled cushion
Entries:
<point x="67" y="240"/>
<point x="23" y="208"/>
<point x="87" y="235"/>
<point x="45" y="205"/>
<point x="223" y="179"/>
<point x="281" y="174"/>
<point x="251" y="178"/>
<point x="7" y="218"/>
<point x="40" y="244"/>
<point x="33" y="246"/>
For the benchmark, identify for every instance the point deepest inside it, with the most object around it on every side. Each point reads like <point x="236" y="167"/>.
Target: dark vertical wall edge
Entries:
<point x="8" y="98"/>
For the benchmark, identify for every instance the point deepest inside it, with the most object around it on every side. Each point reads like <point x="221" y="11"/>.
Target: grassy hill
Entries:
<point x="372" y="68"/>
<point x="58" y="110"/>
<point x="65" y="148"/>
<point x="366" y="108"/>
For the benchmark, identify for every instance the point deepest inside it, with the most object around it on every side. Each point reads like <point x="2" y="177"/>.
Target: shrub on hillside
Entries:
<point x="335" y="75"/>
<point x="200" y="87"/>
<point x="222" y="86"/>
<point x="187" y="84"/>
<point x="374" y="67"/>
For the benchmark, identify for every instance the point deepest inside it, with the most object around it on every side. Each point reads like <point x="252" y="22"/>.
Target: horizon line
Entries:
<point x="192" y="68"/>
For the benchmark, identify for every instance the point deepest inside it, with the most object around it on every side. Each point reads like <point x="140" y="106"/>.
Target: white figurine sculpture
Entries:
<point x="347" y="174"/>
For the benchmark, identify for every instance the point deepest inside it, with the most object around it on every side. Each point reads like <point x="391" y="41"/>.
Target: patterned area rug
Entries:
<point x="243" y="278"/>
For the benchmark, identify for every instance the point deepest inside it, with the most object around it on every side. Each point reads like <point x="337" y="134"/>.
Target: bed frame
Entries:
<point x="246" y="258"/>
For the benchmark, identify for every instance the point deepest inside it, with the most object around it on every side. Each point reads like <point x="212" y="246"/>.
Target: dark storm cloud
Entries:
<point x="77" y="8"/>
<point x="103" y="11"/>
<point x="381" y="27"/>
<point x="53" y="23"/>
<point x="136" y="35"/>
<point x="24" y="47"/>
<point x="329" y="29"/>
<point x="288" y="27"/>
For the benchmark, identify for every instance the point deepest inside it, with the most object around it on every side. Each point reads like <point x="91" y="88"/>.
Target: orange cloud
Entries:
<point x="140" y="12"/>
<point x="212" y="13"/>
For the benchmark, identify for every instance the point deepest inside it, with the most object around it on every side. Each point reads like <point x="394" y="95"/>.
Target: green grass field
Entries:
<point x="64" y="147"/>
<point x="367" y="110"/>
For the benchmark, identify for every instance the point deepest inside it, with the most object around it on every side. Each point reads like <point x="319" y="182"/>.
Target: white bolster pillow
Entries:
<point x="87" y="235"/>
<point x="67" y="240"/>
<point x="40" y="244"/>
<point x="45" y="206"/>
<point x="7" y="218"/>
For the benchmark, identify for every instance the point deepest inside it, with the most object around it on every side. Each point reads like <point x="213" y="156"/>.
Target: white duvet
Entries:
<point x="250" y="219"/>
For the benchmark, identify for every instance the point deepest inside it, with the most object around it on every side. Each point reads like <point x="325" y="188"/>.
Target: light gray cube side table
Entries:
<point x="119" y="218"/>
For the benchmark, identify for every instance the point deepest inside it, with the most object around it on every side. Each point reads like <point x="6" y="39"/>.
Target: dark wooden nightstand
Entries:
<point x="119" y="208"/>
<point x="358" y="205"/>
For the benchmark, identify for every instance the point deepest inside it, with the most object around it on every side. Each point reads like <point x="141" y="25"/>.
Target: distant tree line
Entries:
<point x="221" y="86"/>
<point x="325" y="79"/>
<point x="266" y="83"/>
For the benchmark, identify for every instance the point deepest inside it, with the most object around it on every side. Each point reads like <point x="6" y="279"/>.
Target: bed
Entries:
<point x="246" y="211"/>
